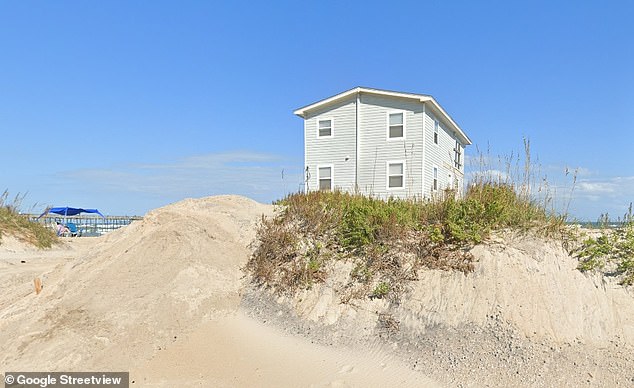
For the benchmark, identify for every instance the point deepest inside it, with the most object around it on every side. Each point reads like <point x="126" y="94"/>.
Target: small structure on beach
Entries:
<point x="382" y="143"/>
<point x="69" y="211"/>
<point x="93" y="224"/>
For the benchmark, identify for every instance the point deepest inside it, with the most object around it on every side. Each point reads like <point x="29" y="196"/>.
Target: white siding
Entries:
<point x="376" y="150"/>
<point x="416" y="150"/>
<point x="338" y="150"/>
<point x="441" y="155"/>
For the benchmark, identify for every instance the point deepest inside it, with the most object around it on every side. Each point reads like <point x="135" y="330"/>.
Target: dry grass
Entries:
<point x="12" y="222"/>
<point x="389" y="241"/>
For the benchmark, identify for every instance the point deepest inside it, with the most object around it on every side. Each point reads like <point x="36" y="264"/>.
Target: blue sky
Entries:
<point x="128" y="106"/>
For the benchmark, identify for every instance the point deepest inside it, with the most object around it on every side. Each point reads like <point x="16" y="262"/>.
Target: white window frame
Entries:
<point x="436" y="134"/>
<point x="457" y="156"/>
<point x="332" y="127"/>
<point x="387" y="174"/>
<point x="434" y="179"/>
<point x="332" y="176"/>
<point x="387" y="124"/>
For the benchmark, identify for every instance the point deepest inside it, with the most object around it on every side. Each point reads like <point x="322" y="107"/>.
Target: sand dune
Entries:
<point x="525" y="317"/>
<point x="160" y="298"/>
<point x="529" y="283"/>
<point x="165" y="299"/>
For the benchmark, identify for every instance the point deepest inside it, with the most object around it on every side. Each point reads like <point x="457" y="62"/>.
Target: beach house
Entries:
<point x="382" y="143"/>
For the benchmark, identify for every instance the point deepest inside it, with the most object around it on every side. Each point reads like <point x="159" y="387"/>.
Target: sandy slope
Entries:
<point x="524" y="317"/>
<point x="161" y="298"/>
<point x="135" y="290"/>
<point x="530" y="283"/>
<point x="533" y="285"/>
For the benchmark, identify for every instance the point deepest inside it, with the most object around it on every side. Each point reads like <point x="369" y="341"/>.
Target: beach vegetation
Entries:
<point x="381" y="290"/>
<point x="388" y="241"/>
<point x="12" y="222"/>
<point x="612" y="251"/>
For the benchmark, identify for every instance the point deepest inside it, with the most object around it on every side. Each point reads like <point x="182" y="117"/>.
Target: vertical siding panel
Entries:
<point x="441" y="155"/>
<point x="376" y="150"/>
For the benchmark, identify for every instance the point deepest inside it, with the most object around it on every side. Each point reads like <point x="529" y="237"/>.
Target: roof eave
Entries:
<point x="301" y="112"/>
<point x="455" y="125"/>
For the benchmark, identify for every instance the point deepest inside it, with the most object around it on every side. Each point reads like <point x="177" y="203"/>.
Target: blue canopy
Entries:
<point x="69" y="211"/>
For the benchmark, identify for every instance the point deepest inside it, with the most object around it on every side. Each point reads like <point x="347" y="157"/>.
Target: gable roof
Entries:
<point x="423" y="98"/>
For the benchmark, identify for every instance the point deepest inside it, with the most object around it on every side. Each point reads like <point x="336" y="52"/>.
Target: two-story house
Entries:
<point x="382" y="143"/>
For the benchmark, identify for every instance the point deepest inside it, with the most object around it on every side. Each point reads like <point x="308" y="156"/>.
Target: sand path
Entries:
<point x="240" y="352"/>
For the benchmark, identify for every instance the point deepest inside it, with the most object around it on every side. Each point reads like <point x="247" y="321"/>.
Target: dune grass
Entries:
<point x="387" y="241"/>
<point x="13" y="223"/>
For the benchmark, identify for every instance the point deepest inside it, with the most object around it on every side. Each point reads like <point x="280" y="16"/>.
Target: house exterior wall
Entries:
<point x="417" y="150"/>
<point x="376" y="150"/>
<point x="338" y="150"/>
<point x="441" y="156"/>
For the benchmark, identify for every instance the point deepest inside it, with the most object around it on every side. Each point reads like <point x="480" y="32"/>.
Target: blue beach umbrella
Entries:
<point x="69" y="211"/>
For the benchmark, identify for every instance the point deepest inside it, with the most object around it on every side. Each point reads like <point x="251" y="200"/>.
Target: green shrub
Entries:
<point x="391" y="239"/>
<point x="357" y="227"/>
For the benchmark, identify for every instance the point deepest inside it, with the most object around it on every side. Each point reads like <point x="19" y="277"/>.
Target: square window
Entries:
<point x="396" y="125"/>
<point x="325" y="128"/>
<point x="396" y="181"/>
<point x="395" y="172"/>
<point x="325" y="178"/>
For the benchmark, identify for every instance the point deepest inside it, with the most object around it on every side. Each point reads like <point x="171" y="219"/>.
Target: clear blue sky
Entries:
<point x="128" y="106"/>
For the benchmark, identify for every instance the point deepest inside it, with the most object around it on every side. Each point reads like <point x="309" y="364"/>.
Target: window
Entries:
<point x="457" y="155"/>
<point x="325" y="178"/>
<point x="395" y="175"/>
<point x="396" y="125"/>
<point x="325" y="128"/>
<point x="435" y="184"/>
<point x="436" y="125"/>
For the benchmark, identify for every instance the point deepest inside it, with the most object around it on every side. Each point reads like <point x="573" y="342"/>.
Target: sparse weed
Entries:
<point x="612" y="252"/>
<point x="381" y="290"/>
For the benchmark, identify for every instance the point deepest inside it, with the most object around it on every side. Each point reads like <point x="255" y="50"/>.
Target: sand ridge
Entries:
<point x="165" y="298"/>
<point x="135" y="290"/>
<point x="525" y="317"/>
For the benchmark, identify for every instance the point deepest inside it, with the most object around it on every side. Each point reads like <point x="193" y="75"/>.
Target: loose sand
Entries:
<point x="525" y="317"/>
<point x="161" y="299"/>
<point x="165" y="299"/>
